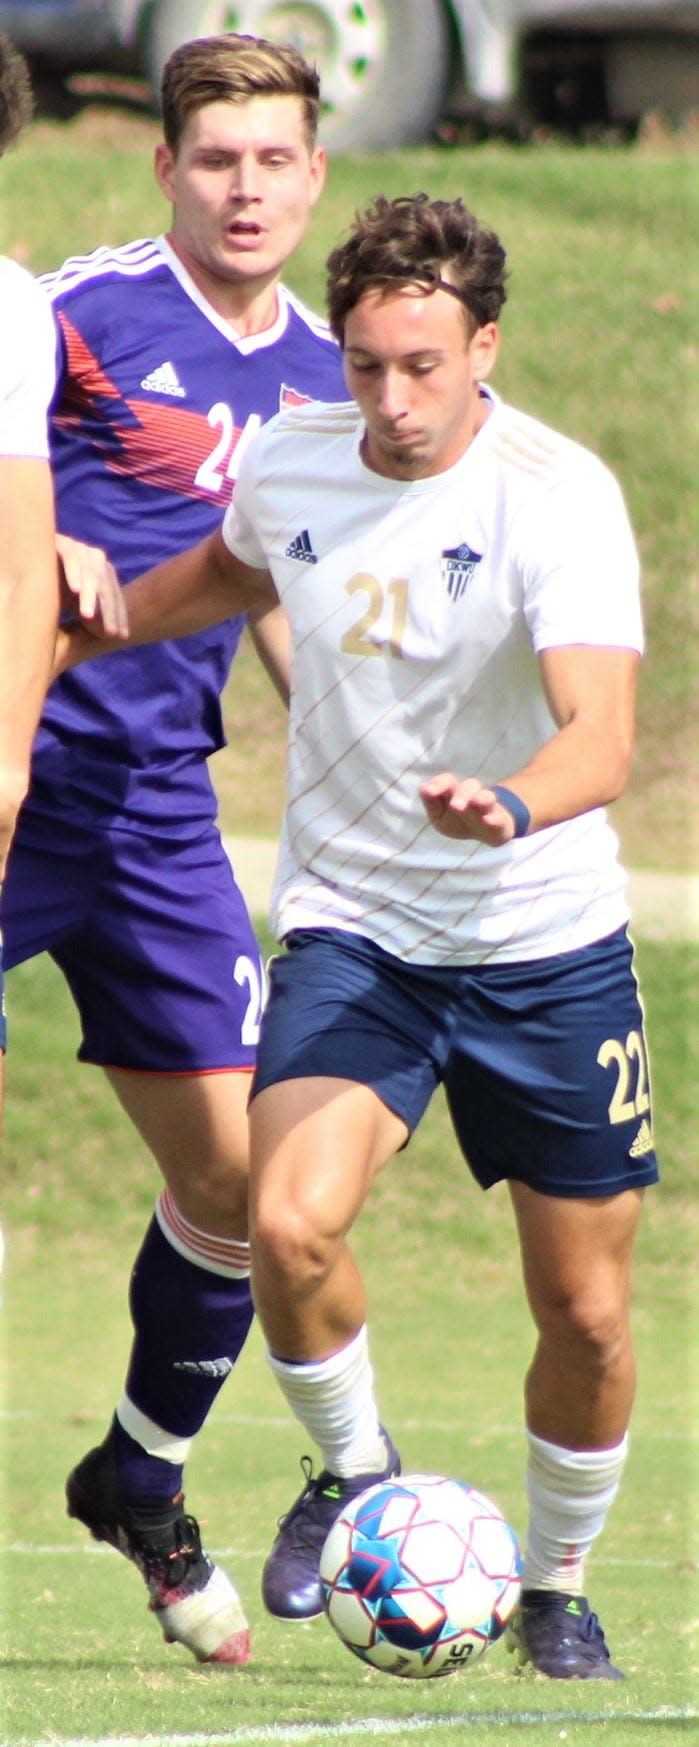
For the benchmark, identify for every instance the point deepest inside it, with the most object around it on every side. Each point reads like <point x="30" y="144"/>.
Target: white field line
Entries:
<point x="279" y="1422"/>
<point x="296" y="1734"/>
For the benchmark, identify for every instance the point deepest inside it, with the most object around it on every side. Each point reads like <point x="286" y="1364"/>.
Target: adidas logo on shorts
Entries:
<point x="643" y="1142"/>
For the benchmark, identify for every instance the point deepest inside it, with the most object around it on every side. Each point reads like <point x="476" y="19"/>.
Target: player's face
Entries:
<point x="242" y="185"/>
<point x="410" y="365"/>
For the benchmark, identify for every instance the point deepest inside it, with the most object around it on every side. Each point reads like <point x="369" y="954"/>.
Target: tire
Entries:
<point x="384" y="64"/>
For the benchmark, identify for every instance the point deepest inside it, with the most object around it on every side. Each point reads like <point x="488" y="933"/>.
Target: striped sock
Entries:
<point x="191" y="1309"/>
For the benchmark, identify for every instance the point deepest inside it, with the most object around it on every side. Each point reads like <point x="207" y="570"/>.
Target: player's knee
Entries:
<point x="589" y="1332"/>
<point x="287" y="1245"/>
<point x="210" y="1190"/>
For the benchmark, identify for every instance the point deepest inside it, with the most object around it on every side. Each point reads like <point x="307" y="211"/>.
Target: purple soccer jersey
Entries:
<point x="117" y="867"/>
<point x="157" y="400"/>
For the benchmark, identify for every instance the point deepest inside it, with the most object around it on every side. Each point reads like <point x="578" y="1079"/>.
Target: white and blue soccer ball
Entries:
<point x="420" y="1575"/>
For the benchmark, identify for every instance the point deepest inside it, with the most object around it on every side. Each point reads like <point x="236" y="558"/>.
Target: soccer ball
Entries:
<point x="420" y="1575"/>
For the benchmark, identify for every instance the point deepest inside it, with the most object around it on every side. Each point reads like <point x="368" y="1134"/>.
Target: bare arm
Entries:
<point x="198" y="588"/>
<point x="269" y="629"/>
<point x="591" y="696"/>
<point x="28" y="616"/>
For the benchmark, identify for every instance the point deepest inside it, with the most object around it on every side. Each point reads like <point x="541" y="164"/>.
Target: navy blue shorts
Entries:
<point x="154" y="939"/>
<point x="543" y="1064"/>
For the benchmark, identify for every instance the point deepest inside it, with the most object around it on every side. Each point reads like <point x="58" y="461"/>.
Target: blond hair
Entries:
<point x="232" y="69"/>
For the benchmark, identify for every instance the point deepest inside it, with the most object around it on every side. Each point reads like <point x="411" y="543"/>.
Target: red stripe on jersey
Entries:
<point x="163" y="445"/>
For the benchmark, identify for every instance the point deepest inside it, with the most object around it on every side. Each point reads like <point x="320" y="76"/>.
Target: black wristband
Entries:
<point x="518" y="808"/>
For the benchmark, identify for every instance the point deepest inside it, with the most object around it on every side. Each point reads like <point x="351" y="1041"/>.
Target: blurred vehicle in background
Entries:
<point x="392" y="68"/>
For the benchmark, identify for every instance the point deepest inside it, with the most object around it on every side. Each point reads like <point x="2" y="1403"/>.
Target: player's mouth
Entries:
<point x="397" y="434"/>
<point x="242" y="231"/>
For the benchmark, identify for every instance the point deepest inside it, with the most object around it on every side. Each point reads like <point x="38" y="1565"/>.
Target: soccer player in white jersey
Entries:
<point x="461" y="585"/>
<point x="172" y="351"/>
<point x="30" y="574"/>
<point x="28" y="567"/>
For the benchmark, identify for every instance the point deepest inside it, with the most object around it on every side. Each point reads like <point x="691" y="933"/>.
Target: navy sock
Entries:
<point x="143" y="1479"/>
<point x="189" y="1327"/>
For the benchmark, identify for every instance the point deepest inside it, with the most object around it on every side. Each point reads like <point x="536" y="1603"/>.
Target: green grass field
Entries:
<point x="598" y="341"/>
<point x="82" y="1660"/>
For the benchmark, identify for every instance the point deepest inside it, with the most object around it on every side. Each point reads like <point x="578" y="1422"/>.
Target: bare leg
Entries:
<point x="196" y="1126"/>
<point x="576" y="1258"/>
<point x="579" y="1392"/>
<point x="316" y="1145"/>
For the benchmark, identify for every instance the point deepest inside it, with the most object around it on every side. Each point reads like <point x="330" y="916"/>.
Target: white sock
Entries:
<point x="334" y="1399"/>
<point x="570" y="1493"/>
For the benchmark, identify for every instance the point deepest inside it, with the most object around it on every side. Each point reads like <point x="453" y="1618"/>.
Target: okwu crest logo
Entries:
<point x="458" y="565"/>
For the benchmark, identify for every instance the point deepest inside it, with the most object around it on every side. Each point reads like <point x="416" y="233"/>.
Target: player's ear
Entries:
<point x="164" y="165"/>
<point x="484" y="349"/>
<point x="319" y="166"/>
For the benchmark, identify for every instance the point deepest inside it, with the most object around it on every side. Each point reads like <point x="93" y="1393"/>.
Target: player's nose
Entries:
<point x="391" y="400"/>
<point x="245" y="182"/>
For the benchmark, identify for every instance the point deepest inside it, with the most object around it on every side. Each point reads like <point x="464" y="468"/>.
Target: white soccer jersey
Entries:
<point x="27" y="363"/>
<point x="416" y="611"/>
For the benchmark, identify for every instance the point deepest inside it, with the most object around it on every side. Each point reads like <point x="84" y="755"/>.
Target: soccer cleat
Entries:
<point x="560" y="1637"/>
<point x="291" y="1576"/>
<point x="192" y="1599"/>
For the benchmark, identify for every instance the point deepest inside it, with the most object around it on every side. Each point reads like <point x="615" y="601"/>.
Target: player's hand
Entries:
<point x="464" y="808"/>
<point x="90" y="588"/>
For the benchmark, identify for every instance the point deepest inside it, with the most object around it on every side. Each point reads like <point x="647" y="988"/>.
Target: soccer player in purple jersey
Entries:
<point x="172" y="353"/>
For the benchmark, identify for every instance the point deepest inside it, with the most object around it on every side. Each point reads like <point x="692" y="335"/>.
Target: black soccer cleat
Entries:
<point x="193" y="1599"/>
<point x="291" y="1587"/>
<point x="560" y="1637"/>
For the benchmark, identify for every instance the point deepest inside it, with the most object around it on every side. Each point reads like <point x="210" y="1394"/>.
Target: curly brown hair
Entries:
<point x="232" y="69"/>
<point x="417" y="242"/>
<point x="16" y="97"/>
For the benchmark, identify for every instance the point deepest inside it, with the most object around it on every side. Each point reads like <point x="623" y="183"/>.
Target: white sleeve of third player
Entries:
<point x="27" y="363"/>
<point x="579" y="562"/>
<point x="239" y="523"/>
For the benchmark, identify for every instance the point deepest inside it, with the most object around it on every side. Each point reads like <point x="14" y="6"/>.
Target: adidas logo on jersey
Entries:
<point x="301" y="548"/>
<point x="643" y="1142"/>
<point x="458" y="565"/>
<point x="164" y="380"/>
